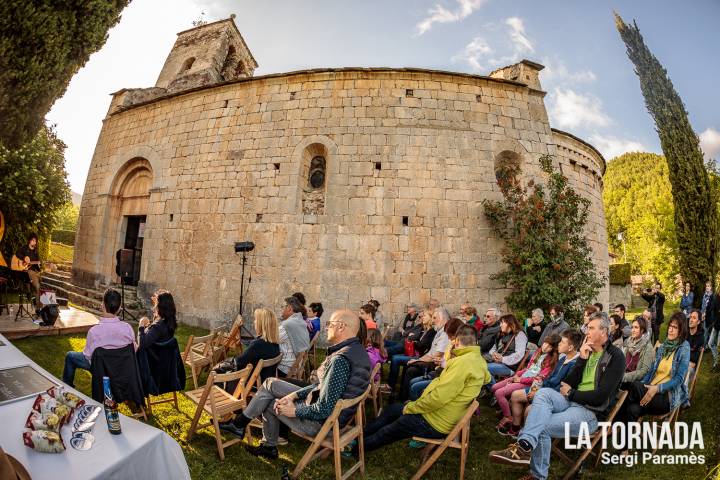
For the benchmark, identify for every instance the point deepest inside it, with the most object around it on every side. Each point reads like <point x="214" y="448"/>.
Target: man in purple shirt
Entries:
<point x="110" y="333"/>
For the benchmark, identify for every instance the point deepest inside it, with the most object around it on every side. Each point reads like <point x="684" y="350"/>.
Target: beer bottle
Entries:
<point x="111" y="411"/>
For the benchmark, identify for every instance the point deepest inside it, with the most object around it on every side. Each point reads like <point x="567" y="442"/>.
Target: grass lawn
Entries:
<point x="393" y="462"/>
<point x="60" y="253"/>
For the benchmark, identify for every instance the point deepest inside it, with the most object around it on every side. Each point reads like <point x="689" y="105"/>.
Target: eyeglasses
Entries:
<point x="488" y="316"/>
<point x="335" y="323"/>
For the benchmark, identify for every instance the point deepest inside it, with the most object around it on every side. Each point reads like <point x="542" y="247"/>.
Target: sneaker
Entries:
<point x="385" y="388"/>
<point x="230" y="427"/>
<point x="282" y="441"/>
<point x="513" y="455"/>
<point x="262" y="450"/>
<point x="350" y="450"/>
<point x="416" y="444"/>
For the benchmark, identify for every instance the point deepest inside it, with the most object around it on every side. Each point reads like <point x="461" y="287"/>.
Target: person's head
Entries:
<point x="638" y="328"/>
<point x="300" y="296"/>
<point x="440" y="317"/>
<point x="112" y="301"/>
<point x="677" y="327"/>
<point x="452" y="326"/>
<point x="537" y="315"/>
<point x="164" y="308"/>
<point x="374" y="337"/>
<point x="463" y="308"/>
<point x="509" y="324"/>
<point x="367" y="312"/>
<point x="598" y="330"/>
<point x="647" y="315"/>
<point x="433" y="304"/>
<point x="550" y="343"/>
<point x="694" y="320"/>
<point x="657" y="286"/>
<point x="587" y="312"/>
<point x="343" y="325"/>
<point x="570" y="341"/>
<point x="470" y="312"/>
<point x="556" y="311"/>
<point x="316" y="309"/>
<point x="374" y="303"/>
<point x="465" y="336"/>
<point x="708" y="286"/>
<point x="427" y="319"/>
<point x="599" y="306"/>
<point x="614" y="322"/>
<point x="412" y="309"/>
<point x="32" y="240"/>
<point x="292" y="305"/>
<point x="266" y="325"/>
<point x="687" y="287"/>
<point x="620" y="310"/>
<point x="491" y="316"/>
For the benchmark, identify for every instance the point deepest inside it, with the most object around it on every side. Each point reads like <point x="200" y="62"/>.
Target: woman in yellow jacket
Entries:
<point x="443" y="402"/>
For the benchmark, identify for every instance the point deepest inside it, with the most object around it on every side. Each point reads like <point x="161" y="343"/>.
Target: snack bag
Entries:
<point x="44" y="403"/>
<point x="65" y="397"/>
<point x="44" y="441"/>
<point x="39" y="421"/>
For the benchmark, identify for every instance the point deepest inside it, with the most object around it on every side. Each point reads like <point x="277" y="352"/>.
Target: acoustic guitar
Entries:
<point x="20" y="265"/>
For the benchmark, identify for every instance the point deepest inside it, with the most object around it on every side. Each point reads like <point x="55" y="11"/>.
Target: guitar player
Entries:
<point x="28" y="254"/>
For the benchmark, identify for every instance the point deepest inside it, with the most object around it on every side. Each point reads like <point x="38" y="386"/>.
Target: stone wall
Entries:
<point x="410" y="155"/>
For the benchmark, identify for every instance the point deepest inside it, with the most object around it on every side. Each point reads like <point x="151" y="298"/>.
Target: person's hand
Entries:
<point x="515" y="379"/>
<point x="144" y="322"/>
<point x="564" y="389"/>
<point x="497" y="357"/>
<point x="530" y="395"/>
<point x="437" y="360"/>
<point x="537" y="328"/>
<point x="651" y="392"/>
<point x="286" y="409"/>
<point x="586" y="349"/>
<point x="286" y="400"/>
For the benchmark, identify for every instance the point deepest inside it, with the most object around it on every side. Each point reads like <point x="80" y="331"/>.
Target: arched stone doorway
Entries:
<point x="130" y="196"/>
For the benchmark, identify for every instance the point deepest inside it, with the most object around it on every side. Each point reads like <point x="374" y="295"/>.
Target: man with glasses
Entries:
<point x="489" y="333"/>
<point x="624" y="324"/>
<point x="344" y="374"/>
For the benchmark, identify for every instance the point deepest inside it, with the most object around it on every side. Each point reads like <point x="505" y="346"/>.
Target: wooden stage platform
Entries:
<point x="71" y="320"/>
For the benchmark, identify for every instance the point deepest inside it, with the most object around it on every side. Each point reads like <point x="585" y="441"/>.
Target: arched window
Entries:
<point x="187" y="65"/>
<point x="507" y="165"/>
<point x="316" y="178"/>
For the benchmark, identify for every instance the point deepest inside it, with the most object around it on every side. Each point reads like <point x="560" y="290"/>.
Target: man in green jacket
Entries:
<point x="443" y="402"/>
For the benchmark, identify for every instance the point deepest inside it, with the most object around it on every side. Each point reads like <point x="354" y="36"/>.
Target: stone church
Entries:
<point x="351" y="182"/>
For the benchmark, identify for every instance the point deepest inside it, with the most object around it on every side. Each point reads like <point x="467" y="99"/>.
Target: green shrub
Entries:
<point x="619" y="274"/>
<point x="66" y="237"/>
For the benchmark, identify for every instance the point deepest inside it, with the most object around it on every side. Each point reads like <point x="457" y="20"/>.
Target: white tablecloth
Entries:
<point x="140" y="452"/>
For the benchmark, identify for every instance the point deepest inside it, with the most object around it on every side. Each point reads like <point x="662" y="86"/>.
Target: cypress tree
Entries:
<point x="696" y="217"/>
<point x="42" y="45"/>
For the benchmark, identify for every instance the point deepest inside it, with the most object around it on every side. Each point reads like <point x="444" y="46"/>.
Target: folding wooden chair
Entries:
<point x="312" y="351"/>
<point x="198" y="355"/>
<point x="375" y="394"/>
<point x="691" y="386"/>
<point x="340" y="438"/>
<point x="150" y="403"/>
<point x="219" y="404"/>
<point x="255" y="381"/>
<point x="227" y="342"/>
<point x="458" y="438"/>
<point x="594" y="440"/>
<point x="297" y="371"/>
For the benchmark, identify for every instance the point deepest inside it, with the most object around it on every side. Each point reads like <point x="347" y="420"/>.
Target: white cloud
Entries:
<point x="440" y="14"/>
<point x="557" y="73"/>
<point x="710" y="143"/>
<point x="611" y="146"/>
<point x="473" y="52"/>
<point x="571" y="110"/>
<point x="521" y="42"/>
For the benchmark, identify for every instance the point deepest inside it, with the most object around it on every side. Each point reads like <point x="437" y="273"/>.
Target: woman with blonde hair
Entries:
<point x="266" y="345"/>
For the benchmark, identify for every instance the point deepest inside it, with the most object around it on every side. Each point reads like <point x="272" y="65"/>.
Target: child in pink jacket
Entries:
<point x="375" y="350"/>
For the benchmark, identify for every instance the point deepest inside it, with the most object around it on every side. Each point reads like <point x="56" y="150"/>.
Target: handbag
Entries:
<point x="410" y="348"/>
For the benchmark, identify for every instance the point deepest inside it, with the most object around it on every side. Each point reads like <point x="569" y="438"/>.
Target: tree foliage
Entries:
<point x="639" y="207"/>
<point x="34" y="188"/>
<point x="42" y="45"/>
<point x="548" y="259"/>
<point x="696" y="217"/>
<point x="67" y="217"/>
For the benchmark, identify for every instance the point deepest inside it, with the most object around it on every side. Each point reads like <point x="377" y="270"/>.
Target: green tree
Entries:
<point x="42" y="45"/>
<point x="67" y="217"/>
<point x="639" y="206"/>
<point x="696" y="217"/>
<point x="546" y="253"/>
<point x="34" y="188"/>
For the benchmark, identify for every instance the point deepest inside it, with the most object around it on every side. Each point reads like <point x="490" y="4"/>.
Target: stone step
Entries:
<point x="63" y="267"/>
<point x="94" y="305"/>
<point x="131" y="300"/>
<point x="59" y="283"/>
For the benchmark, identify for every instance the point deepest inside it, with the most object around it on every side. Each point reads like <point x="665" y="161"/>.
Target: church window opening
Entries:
<point x="317" y="173"/>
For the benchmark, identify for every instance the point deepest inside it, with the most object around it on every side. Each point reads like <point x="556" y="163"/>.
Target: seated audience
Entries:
<point x="411" y="317"/>
<point x="585" y="398"/>
<point x="379" y="318"/>
<point x="344" y="374"/>
<point x="663" y="388"/>
<point x="419" y="343"/>
<point x="367" y="314"/>
<point x="638" y="350"/>
<point x="624" y="324"/>
<point x="534" y="326"/>
<point x="540" y="366"/>
<point x="266" y="345"/>
<point x="442" y="404"/>
<point x="301" y="298"/>
<point x="557" y="322"/>
<point x="616" y="331"/>
<point x="568" y="349"/>
<point x="419" y="366"/>
<point x="696" y="338"/>
<point x="110" y="333"/>
<point x="509" y="349"/>
<point x="587" y="313"/>
<point x="410" y="329"/>
<point x="488" y="334"/>
<point x="375" y="350"/>
<point x="417" y="384"/>
<point x="163" y="326"/>
<point x="471" y="317"/>
<point x="294" y="335"/>
<point x="315" y="311"/>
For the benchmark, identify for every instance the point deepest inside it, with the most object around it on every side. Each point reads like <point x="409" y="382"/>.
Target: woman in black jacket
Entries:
<point x="164" y="323"/>
<point x="266" y="345"/>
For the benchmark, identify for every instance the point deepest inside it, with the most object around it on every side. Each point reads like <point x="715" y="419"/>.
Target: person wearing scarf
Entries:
<point x="639" y="351"/>
<point x="556" y="325"/>
<point x="663" y="388"/>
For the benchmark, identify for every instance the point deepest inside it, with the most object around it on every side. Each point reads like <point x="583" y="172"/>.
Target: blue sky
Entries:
<point x="592" y="89"/>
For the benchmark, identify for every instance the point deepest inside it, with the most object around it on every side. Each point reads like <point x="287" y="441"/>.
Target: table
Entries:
<point x="141" y="451"/>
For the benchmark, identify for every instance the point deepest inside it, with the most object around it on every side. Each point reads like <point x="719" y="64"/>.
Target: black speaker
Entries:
<point x="49" y="315"/>
<point x="125" y="262"/>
